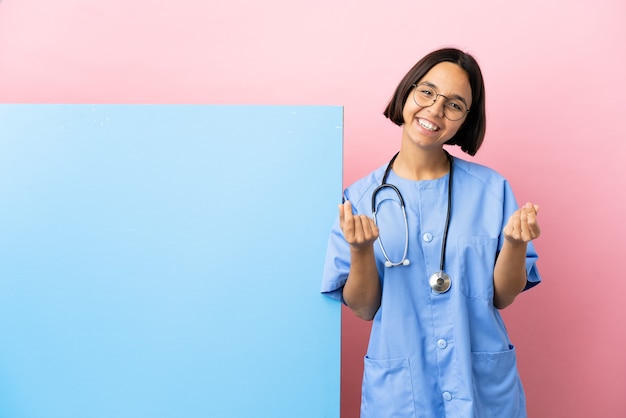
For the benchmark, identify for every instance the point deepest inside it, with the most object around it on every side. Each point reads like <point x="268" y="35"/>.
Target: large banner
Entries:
<point x="165" y="261"/>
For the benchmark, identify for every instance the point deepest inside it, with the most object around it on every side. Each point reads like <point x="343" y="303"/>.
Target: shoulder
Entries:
<point x="477" y="172"/>
<point x="475" y="176"/>
<point x="362" y="189"/>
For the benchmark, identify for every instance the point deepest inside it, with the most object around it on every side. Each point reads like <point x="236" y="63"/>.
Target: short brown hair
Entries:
<point x="471" y="134"/>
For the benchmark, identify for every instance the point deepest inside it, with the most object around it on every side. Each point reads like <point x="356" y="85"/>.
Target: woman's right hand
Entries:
<point x="359" y="231"/>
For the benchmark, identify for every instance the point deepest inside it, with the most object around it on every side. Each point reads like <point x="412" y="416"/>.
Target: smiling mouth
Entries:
<point x="427" y="125"/>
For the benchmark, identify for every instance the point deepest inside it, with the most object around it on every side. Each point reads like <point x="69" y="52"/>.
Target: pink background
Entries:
<point x="555" y="82"/>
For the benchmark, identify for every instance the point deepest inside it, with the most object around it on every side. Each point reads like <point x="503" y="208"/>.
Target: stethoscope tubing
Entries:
<point x="448" y="212"/>
<point x="404" y="261"/>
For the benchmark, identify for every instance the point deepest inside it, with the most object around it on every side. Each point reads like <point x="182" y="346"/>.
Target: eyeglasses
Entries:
<point x="426" y="96"/>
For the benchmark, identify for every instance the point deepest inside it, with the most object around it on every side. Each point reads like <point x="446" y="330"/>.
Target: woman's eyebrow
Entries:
<point x="452" y="96"/>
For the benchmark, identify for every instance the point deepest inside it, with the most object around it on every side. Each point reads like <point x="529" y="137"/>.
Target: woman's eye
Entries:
<point x="457" y="107"/>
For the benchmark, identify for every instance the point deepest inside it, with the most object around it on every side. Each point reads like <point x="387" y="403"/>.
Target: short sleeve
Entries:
<point x="532" y="273"/>
<point x="336" y="264"/>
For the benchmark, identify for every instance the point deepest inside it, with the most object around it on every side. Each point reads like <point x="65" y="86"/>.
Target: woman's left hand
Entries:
<point x="522" y="226"/>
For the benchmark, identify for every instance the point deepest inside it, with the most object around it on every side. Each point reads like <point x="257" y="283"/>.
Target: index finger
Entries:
<point x="345" y="212"/>
<point x="531" y="208"/>
<point x="531" y="219"/>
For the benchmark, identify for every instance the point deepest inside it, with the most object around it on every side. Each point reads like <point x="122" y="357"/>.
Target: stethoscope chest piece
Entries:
<point x="440" y="282"/>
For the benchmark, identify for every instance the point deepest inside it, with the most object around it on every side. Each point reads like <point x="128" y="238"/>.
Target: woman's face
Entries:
<point x="428" y="127"/>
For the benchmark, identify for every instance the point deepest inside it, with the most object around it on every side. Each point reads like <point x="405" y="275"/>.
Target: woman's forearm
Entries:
<point x="362" y="291"/>
<point x="509" y="276"/>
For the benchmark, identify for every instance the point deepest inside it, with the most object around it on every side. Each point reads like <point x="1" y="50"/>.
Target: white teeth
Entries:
<point x="427" y="125"/>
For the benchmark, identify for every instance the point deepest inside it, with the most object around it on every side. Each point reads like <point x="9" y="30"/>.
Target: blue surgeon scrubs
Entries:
<point x="436" y="355"/>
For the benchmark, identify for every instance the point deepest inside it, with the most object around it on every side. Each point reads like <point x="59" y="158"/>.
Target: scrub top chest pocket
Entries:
<point x="477" y="256"/>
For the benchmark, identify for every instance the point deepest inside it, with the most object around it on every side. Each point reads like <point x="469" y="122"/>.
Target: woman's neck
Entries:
<point x="421" y="166"/>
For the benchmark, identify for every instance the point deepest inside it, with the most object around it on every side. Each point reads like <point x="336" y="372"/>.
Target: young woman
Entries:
<point x="430" y="247"/>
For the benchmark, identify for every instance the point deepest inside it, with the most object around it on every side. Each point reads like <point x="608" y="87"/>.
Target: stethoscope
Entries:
<point x="439" y="282"/>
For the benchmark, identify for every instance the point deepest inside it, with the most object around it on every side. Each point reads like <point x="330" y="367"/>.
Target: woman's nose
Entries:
<point x="438" y="106"/>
